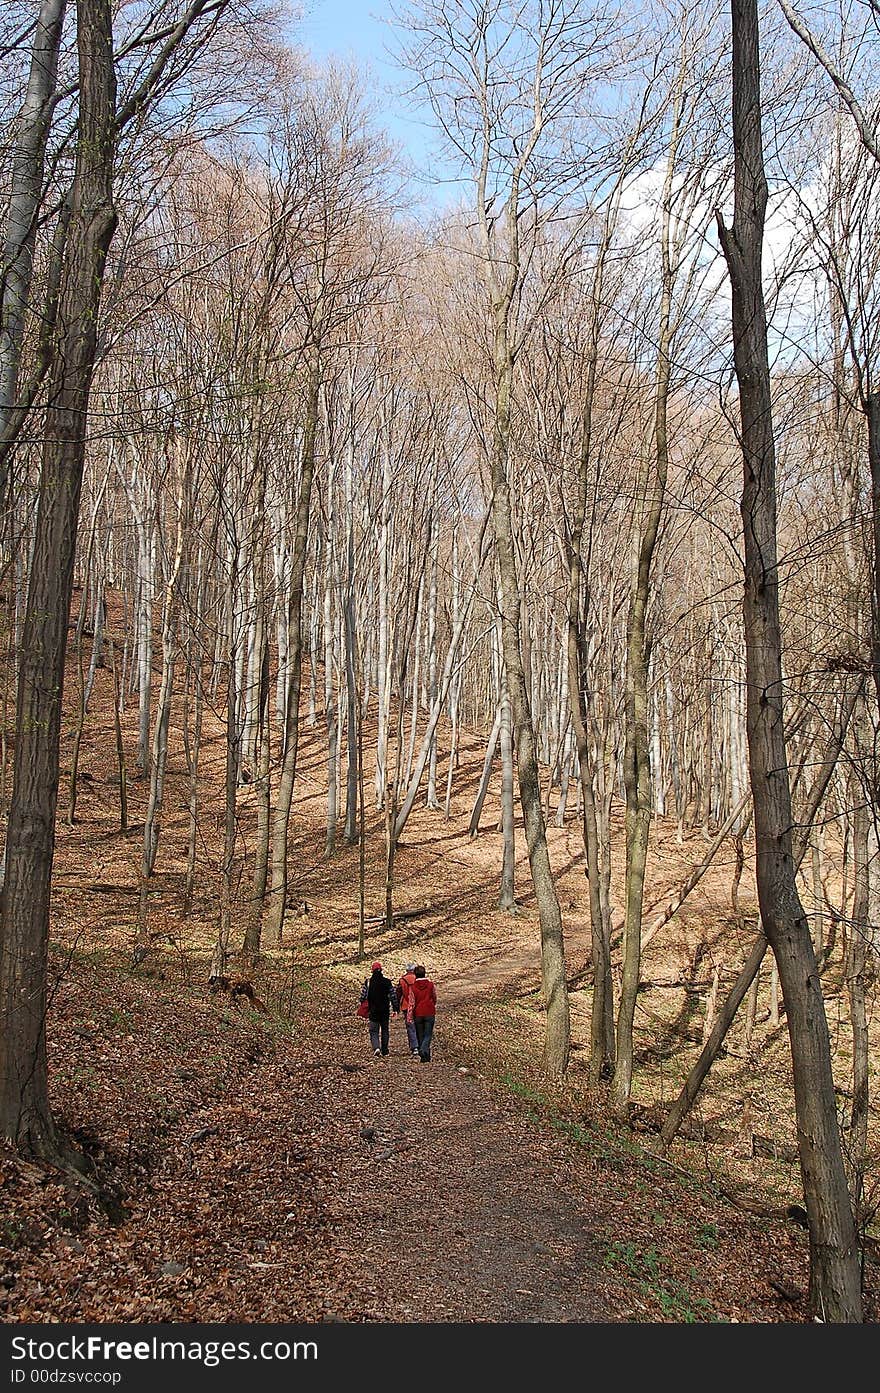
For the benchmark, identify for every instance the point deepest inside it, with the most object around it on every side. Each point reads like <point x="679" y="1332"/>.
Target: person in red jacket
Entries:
<point x="424" y="1011"/>
<point x="406" y="1002"/>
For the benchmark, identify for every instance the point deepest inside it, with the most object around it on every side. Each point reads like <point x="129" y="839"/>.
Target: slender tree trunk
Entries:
<point x="636" y="764"/>
<point x="330" y="589"/>
<point x="120" y="748"/>
<point x="431" y="794"/>
<point x="144" y="622"/>
<point x="28" y="162"/>
<point x="193" y="748"/>
<point x="835" y="1289"/>
<point x="491" y="746"/>
<point x="856" y="973"/>
<point x="383" y="662"/>
<point x="557" y="1042"/>
<point x="253" y="930"/>
<point x="281" y="825"/>
<point x="602" y="1047"/>
<point x="506" y="897"/>
<point x="233" y="757"/>
<point x="872" y="416"/>
<point x="166" y="691"/>
<point x="351" y="661"/>
<point x="456" y="681"/>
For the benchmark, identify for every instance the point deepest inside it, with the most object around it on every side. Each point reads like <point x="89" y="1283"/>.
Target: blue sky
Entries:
<point x="360" y="30"/>
<point x="346" y="27"/>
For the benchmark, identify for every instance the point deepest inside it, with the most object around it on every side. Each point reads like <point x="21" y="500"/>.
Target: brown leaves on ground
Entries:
<point x="265" y="1168"/>
<point x="277" y="1172"/>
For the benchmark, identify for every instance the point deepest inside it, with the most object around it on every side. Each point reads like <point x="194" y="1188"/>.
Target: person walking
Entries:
<point x="379" y="994"/>
<point x="424" y="1011"/>
<point x="406" y="1001"/>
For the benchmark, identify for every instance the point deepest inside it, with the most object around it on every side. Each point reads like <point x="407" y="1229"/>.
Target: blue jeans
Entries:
<point x="411" y="1035"/>
<point x="424" y="1031"/>
<point x="379" y="1033"/>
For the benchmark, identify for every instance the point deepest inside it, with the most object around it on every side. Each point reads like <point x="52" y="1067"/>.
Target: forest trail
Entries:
<point x="462" y="1211"/>
<point x="277" y="1172"/>
<point x="298" y="1179"/>
<point x="271" y="1170"/>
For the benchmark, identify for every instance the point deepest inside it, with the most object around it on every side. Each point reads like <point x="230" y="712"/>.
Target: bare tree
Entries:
<point x="504" y="81"/>
<point x="835" y="1289"/>
<point x="25" y="1115"/>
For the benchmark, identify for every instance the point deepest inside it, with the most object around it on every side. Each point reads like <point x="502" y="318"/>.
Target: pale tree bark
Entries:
<point x="835" y="1289"/>
<point x="441" y="691"/>
<point x="557" y="1043"/>
<point x="331" y="585"/>
<point x="637" y="765"/>
<point x="602" y="1045"/>
<point x="233" y="753"/>
<point x="485" y="774"/>
<point x="170" y="651"/>
<point x="261" y="737"/>
<point x="456" y="681"/>
<point x="507" y="892"/>
<point x="29" y="158"/>
<point x="281" y="824"/>
<point x="857" y="976"/>
<point x="194" y="701"/>
<point x="383" y="662"/>
<point x="431" y="793"/>
<point x="351" y="655"/>
<point x="90" y="579"/>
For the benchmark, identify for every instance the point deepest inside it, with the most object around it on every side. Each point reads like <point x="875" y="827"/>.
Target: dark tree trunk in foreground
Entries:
<point x="834" y="1261"/>
<point x="24" y="1106"/>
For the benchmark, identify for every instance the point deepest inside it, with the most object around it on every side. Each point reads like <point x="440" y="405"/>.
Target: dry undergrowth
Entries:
<point x="238" y="1182"/>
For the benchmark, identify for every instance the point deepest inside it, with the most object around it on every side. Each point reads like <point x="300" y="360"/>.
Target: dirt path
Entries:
<point x="281" y="1174"/>
<point x="458" y="1209"/>
<point x="293" y="1178"/>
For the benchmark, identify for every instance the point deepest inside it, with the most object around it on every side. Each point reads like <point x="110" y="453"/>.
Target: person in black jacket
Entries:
<point x="378" y="991"/>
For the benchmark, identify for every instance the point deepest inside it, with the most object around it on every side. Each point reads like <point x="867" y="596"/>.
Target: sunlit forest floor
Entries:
<point x="258" y="1167"/>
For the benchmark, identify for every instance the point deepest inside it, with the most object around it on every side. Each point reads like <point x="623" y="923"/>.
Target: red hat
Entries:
<point x="377" y="967"/>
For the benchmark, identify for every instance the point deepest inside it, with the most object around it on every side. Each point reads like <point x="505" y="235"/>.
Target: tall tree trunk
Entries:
<point x="835" y="1289"/>
<point x="636" y="762"/>
<point x="25" y="1116"/>
<point x="233" y="760"/>
<point x="28" y="163"/>
<point x="743" y="983"/>
<point x="506" y="896"/>
<point x="872" y="416"/>
<point x="383" y="661"/>
<point x="857" y="977"/>
<point x="602" y="1048"/>
<point x="482" y="789"/>
<point x="281" y="825"/>
<point x="120" y="748"/>
<point x="351" y="658"/>
<point x="557" y="1041"/>
<point x="166" y="692"/>
<point x="262" y="791"/>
